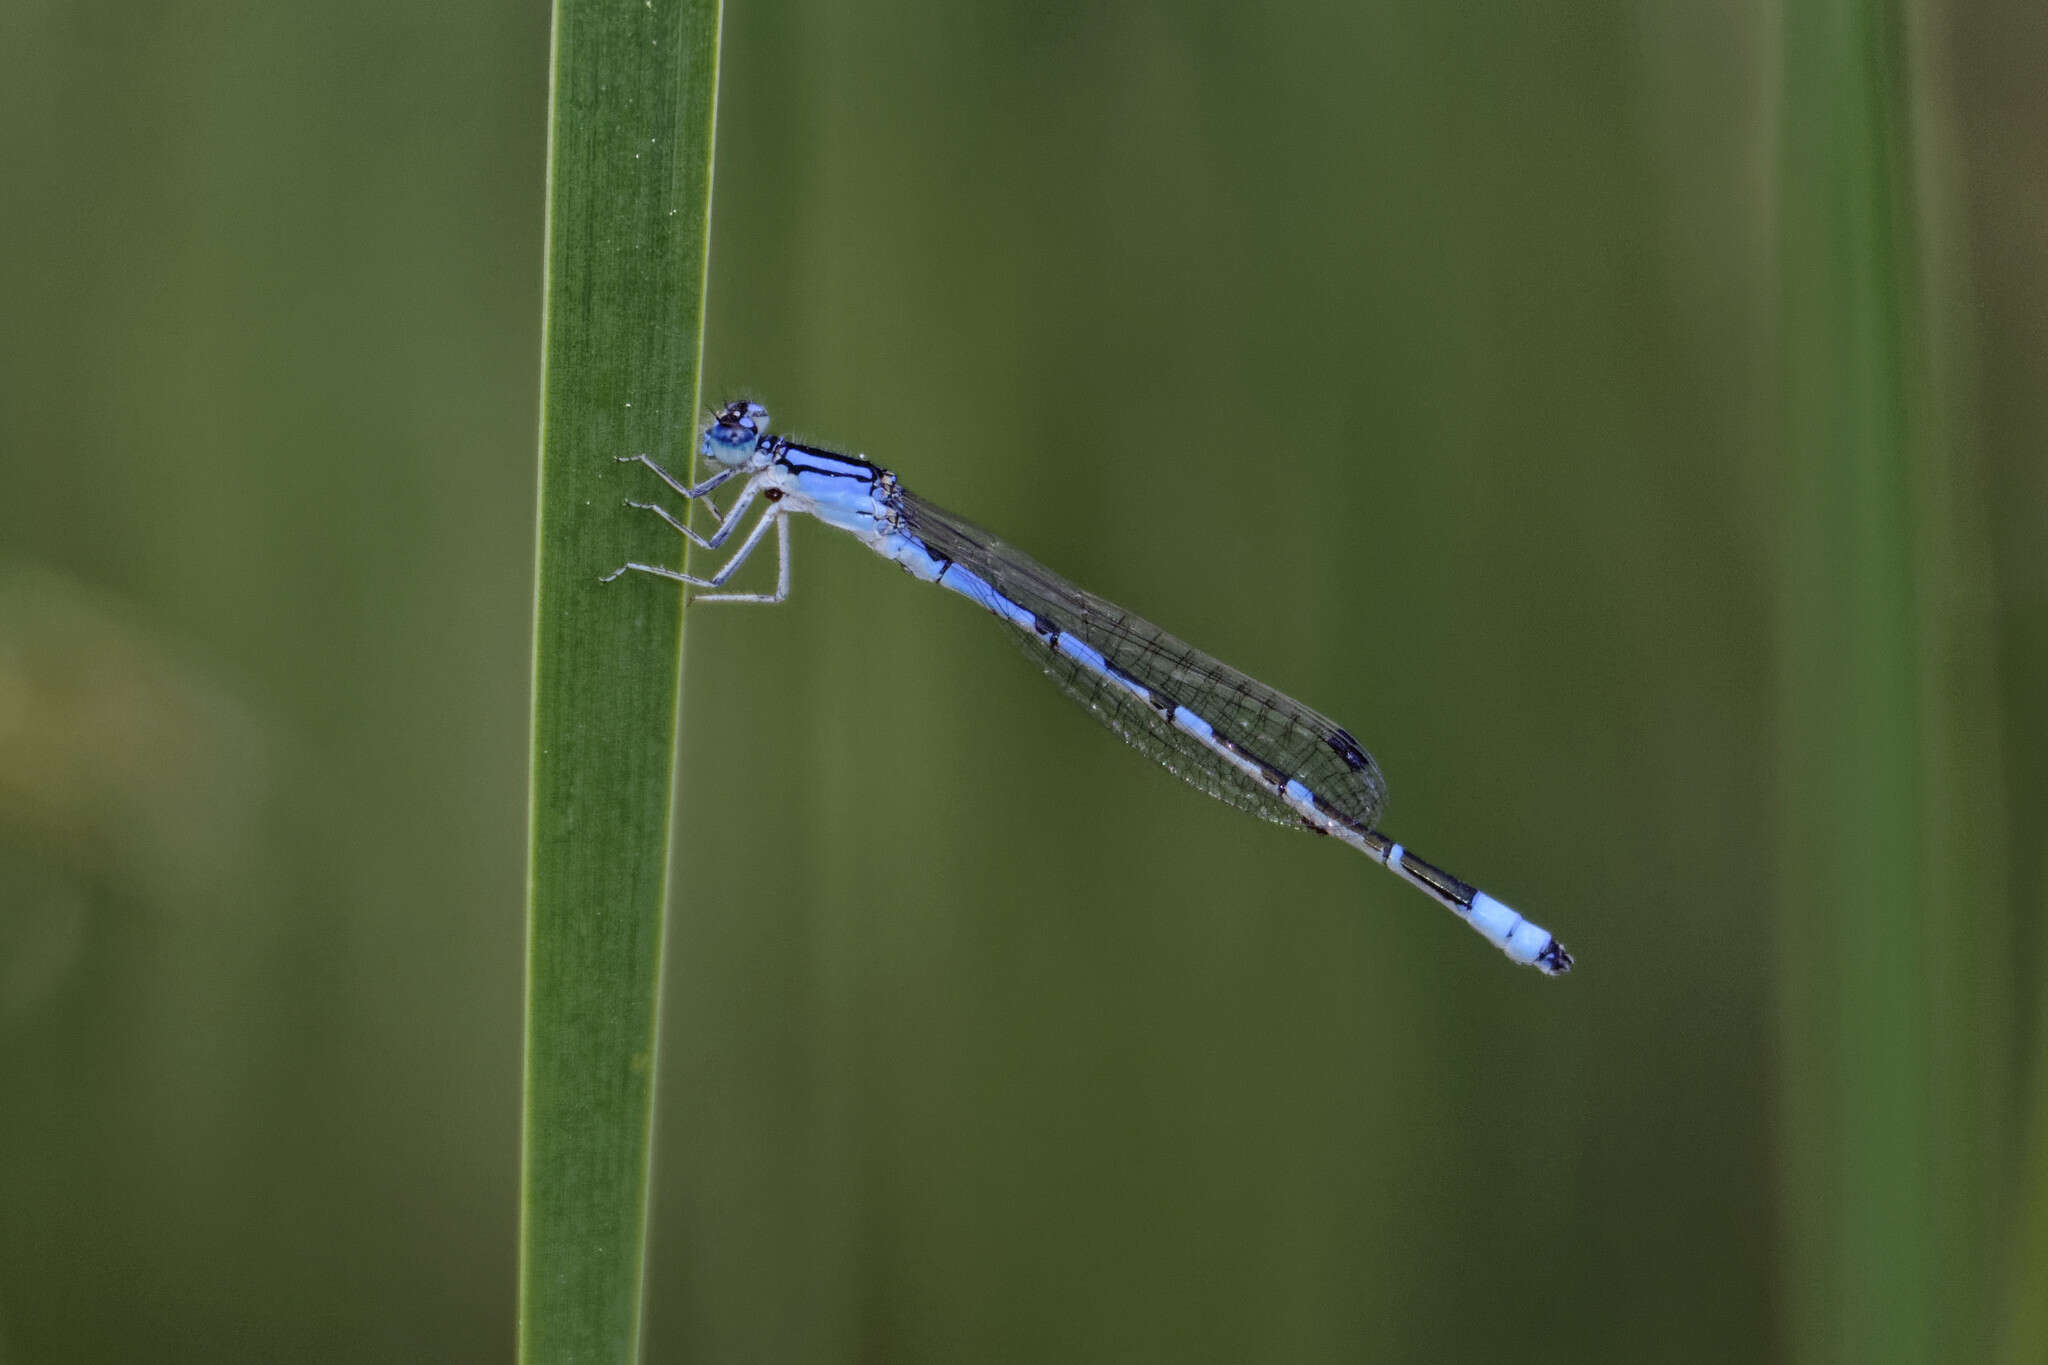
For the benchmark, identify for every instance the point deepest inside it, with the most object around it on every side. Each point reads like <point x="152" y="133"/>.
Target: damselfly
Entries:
<point x="1224" y="732"/>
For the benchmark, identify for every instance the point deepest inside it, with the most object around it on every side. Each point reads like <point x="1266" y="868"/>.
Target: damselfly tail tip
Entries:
<point x="1530" y="944"/>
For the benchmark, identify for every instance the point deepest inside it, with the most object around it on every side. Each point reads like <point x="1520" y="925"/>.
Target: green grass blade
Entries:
<point x="2023" y="1332"/>
<point x="633" y="91"/>
<point x="1889" y="814"/>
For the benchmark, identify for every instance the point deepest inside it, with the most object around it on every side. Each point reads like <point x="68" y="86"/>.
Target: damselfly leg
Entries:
<point x="772" y="519"/>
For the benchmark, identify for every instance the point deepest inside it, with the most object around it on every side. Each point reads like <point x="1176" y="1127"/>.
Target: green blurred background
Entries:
<point x="1431" y="362"/>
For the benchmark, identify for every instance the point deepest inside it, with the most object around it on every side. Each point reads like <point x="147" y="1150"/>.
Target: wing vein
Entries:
<point x="1278" y="733"/>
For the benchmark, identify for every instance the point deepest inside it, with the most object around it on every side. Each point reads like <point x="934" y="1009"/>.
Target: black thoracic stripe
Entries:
<point x="789" y="452"/>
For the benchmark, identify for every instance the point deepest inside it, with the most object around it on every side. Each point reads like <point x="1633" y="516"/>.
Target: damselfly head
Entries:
<point x="735" y="432"/>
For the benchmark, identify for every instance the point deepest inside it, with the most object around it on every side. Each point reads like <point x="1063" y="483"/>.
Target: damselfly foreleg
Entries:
<point x="688" y="491"/>
<point x="727" y="524"/>
<point x="691" y="493"/>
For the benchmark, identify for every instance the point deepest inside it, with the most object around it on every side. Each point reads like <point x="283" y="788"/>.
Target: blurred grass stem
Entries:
<point x="1889" y="818"/>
